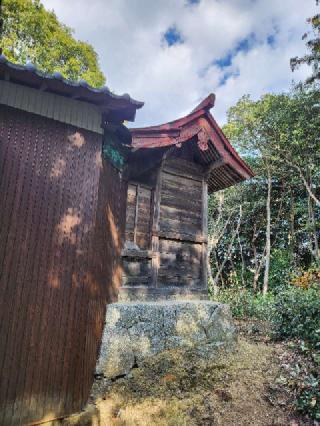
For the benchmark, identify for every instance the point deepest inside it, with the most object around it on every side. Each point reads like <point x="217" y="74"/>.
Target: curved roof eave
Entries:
<point x="103" y="98"/>
<point x="183" y="130"/>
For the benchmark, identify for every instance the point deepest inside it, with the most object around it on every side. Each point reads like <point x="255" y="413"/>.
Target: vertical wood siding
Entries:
<point x="110" y="231"/>
<point x="50" y="105"/>
<point x="58" y="244"/>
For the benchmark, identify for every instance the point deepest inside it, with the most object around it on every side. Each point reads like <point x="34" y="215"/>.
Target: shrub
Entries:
<point x="294" y="313"/>
<point x="306" y="279"/>
<point x="245" y="304"/>
<point x="308" y="401"/>
<point x="281" y="267"/>
<point x="297" y="314"/>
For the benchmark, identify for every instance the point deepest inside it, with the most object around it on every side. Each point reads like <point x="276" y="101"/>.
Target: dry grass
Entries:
<point x="177" y="388"/>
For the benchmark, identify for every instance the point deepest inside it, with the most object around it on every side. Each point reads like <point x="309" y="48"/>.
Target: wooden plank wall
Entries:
<point x="177" y="234"/>
<point x="181" y="225"/>
<point x="143" y="217"/>
<point x="131" y="212"/>
<point x="109" y="235"/>
<point x="54" y="266"/>
<point x="180" y="208"/>
<point x="180" y="264"/>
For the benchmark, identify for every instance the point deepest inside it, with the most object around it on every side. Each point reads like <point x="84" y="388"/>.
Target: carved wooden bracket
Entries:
<point x="203" y="140"/>
<point x="192" y="131"/>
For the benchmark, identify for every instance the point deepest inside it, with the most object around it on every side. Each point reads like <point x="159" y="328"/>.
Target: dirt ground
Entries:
<point x="177" y="388"/>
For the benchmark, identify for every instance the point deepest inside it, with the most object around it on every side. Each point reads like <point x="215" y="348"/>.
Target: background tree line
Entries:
<point x="264" y="257"/>
<point x="267" y="229"/>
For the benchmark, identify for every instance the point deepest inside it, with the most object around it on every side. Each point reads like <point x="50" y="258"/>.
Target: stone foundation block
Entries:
<point x="136" y="330"/>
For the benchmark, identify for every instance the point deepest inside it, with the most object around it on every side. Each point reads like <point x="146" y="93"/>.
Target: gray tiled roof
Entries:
<point x="29" y="75"/>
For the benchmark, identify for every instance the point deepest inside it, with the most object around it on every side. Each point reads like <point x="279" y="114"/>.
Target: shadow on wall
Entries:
<point x="59" y="247"/>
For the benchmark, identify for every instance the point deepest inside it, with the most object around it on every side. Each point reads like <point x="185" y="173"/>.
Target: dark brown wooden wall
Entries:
<point x="180" y="225"/>
<point x="59" y="252"/>
<point x="169" y="251"/>
<point x="110" y="231"/>
<point x="181" y="207"/>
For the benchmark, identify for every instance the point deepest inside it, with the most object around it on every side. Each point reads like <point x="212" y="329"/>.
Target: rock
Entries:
<point x="136" y="330"/>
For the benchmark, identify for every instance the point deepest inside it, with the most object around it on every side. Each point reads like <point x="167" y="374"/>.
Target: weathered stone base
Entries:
<point x="136" y="330"/>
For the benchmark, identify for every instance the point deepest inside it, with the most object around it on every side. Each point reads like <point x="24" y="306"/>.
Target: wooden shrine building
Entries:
<point x="170" y="170"/>
<point x="91" y="213"/>
<point x="60" y="238"/>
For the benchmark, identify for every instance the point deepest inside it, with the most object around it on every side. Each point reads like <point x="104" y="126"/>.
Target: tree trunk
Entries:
<point x="216" y="278"/>
<point x="314" y="245"/>
<point x="256" y="274"/>
<point x="216" y="232"/>
<point x="255" y="257"/>
<point x="292" y="235"/>
<point x="241" y="254"/>
<point x="315" y="234"/>
<point x="265" y="286"/>
<point x="258" y="267"/>
<point x="211" y="283"/>
<point x="309" y="188"/>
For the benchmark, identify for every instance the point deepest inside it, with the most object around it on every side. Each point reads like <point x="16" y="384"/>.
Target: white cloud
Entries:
<point x="127" y="34"/>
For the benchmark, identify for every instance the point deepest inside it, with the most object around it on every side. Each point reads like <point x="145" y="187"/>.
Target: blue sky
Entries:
<point x="173" y="53"/>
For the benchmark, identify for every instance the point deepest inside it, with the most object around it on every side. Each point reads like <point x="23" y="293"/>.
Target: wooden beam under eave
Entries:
<point x="141" y="164"/>
<point x="224" y="148"/>
<point x="215" y="165"/>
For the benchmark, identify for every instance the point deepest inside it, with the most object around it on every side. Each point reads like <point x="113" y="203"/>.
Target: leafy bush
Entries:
<point x="297" y="314"/>
<point x="245" y="304"/>
<point x="308" y="401"/>
<point x="306" y="279"/>
<point x="281" y="267"/>
<point x="294" y="313"/>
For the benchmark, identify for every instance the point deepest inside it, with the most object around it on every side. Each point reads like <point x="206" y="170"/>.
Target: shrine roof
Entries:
<point x="123" y="107"/>
<point x="222" y="164"/>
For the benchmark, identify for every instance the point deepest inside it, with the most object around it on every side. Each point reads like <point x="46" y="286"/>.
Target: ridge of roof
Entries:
<point x="173" y="126"/>
<point x="206" y="104"/>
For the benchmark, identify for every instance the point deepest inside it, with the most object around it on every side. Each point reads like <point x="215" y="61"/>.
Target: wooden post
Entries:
<point x="155" y="229"/>
<point x="136" y="216"/>
<point x="204" y="233"/>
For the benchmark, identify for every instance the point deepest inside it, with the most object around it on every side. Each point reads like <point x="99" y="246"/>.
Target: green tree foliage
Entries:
<point x="281" y="129"/>
<point x="278" y="135"/>
<point x="312" y="58"/>
<point x="31" y="33"/>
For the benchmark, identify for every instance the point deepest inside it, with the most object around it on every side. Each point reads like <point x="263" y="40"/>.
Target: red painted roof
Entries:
<point x="215" y="151"/>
